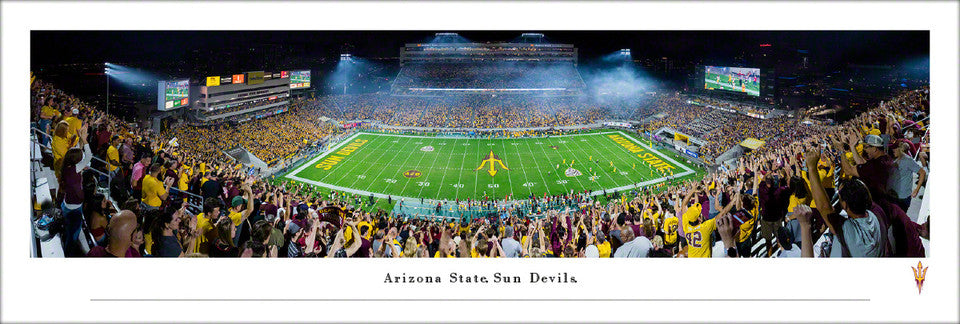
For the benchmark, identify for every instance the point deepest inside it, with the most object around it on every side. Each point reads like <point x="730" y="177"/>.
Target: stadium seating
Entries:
<point x="203" y="180"/>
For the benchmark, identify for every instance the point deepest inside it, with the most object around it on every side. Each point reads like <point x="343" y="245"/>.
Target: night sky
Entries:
<point x="842" y="47"/>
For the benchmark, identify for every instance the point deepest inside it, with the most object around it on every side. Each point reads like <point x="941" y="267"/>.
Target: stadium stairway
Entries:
<point x="240" y="154"/>
<point x="732" y="154"/>
<point x="44" y="187"/>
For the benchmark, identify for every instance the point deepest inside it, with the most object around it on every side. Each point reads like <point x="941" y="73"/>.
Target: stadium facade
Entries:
<point x="247" y="95"/>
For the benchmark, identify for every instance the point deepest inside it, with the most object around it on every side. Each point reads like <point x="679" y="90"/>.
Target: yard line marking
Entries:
<point x="435" y="157"/>
<point x="581" y="150"/>
<point x="390" y="163"/>
<point x="509" y="180"/>
<point x="573" y="155"/>
<point x="541" y="173"/>
<point x="523" y="169"/>
<point x="417" y="168"/>
<point x="460" y="172"/>
<point x="684" y="166"/>
<point x="293" y="175"/>
<point x="365" y="161"/>
<point x="446" y="166"/>
<point x="649" y="182"/>
<point x="337" y="169"/>
<point x="618" y="155"/>
<point x="476" y="178"/>
<point x="641" y="175"/>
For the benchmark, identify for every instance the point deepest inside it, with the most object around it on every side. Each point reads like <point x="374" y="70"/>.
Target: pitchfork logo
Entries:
<point x="919" y="274"/>
<point x="494" y="160"/>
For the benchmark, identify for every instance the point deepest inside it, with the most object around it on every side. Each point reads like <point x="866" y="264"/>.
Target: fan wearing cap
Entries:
<point x="70" y="116"/>
<point x="242" y="207"/>
<point x="875" y="168"/>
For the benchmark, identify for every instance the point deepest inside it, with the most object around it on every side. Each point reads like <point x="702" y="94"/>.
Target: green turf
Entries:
<point x="450" y="171"/>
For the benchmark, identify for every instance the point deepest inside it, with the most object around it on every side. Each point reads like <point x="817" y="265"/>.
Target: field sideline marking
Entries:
<point x="292" y="175"/>
<point x="633" y="171"/>
<point x="657" y="180"/>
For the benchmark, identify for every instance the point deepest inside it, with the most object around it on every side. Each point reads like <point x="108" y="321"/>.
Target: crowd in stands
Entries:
<point x="733" y="105"/>
<point x="792" y="194"/>
<point x="471" y="111"/>
<point x="489" y="75"/>
<point x="720" y="129"/>
<point x="268" y="138"/>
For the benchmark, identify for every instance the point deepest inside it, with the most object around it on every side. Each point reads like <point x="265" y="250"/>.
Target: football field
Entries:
<point x="450" y="168"/>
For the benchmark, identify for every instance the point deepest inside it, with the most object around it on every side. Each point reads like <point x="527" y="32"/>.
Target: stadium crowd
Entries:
<point x="469" y="111"/>
<point x="858" y="209"/>
<point x="720" y="130"/>
<point x="268" y="138"/>
<point x="489" y="75"/>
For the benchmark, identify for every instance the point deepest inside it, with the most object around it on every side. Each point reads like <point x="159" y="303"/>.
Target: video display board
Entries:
<point x="299" y="79"/>
<point x="173" y="94"/>
<point x="737" y="79"/>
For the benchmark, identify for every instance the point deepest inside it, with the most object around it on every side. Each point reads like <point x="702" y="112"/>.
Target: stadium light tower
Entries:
<point x="625" y="53"/>
<point x="106" y="72"/>
<point x="346" y="58"/>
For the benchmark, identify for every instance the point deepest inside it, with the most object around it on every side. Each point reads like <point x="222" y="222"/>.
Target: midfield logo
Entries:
<point x="412" y="174"/>
<point x="493" y="159"/>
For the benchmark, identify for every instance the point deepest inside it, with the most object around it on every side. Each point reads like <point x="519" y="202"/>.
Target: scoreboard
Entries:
<point x="299" y="79"/>
<point x="736" y="79"/>
<point x="173" y="94"/>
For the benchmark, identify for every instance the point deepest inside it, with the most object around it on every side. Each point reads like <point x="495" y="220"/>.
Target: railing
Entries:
<point x="194" y="201"/>
<point x="93" y="158"/>
<point x="759" y="247"/>
<point x="452" y="211"/>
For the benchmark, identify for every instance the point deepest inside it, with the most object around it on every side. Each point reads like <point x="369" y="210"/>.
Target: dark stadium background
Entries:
<point x="74" y="59"/>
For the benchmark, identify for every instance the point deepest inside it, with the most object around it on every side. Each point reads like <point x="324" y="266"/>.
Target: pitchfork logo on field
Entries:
<point x="494" y="160"/>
